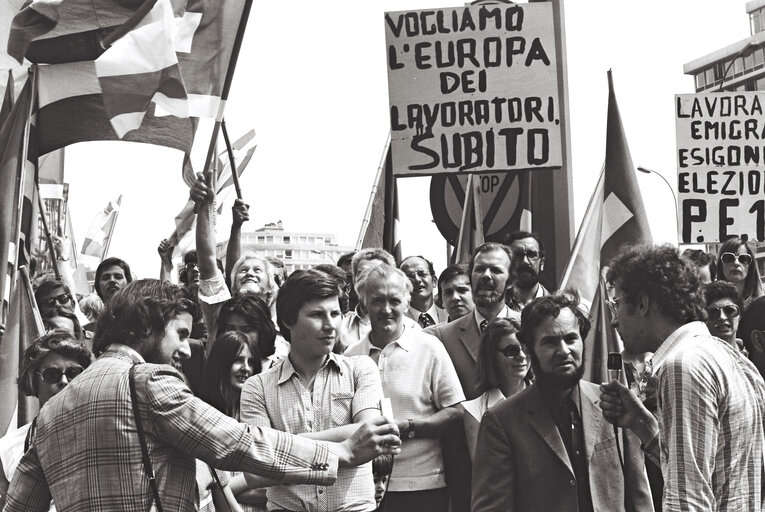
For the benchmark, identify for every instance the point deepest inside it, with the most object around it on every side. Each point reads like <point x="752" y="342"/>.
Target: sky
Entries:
<point x="311" y="80"/>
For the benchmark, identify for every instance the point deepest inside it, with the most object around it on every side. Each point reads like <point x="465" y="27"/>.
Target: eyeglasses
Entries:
<point x="613" y="305"/>
<point x="53" y="375"/>
<point x="731" y="311"/>
<point x="421" y="274"/>
<point x="510" y="351"/>
<point x="532" y="255"/>
<point x="64" y="299"/>
<point x="729" y="257"/>
<point x="192" y="266"/>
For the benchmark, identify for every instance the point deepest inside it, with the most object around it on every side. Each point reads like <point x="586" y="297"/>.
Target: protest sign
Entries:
<point x="473" y="89"/>
<point x="721" y="166"/>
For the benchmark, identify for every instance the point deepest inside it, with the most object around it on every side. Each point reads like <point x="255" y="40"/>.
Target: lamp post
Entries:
<point x="674" y="197"/>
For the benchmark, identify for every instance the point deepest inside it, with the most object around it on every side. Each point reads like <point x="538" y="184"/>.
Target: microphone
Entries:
<point x="614" y="365"/>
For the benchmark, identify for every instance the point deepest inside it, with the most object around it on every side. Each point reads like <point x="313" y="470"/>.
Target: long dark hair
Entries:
<point x="495" y="331"/>
<point x="752" y="286"/>
<point x="217" y="389"/>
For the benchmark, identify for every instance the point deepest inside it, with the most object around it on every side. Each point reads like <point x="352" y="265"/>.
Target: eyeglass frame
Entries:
<point x="719" y="310"/>
<point x="68" y="372"/>
<point x="532" y="255"/>
<point x="51" y="301"/>
<point x="736" y="257"/>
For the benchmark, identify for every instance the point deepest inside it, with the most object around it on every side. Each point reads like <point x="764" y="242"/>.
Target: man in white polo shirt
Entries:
<point x="419" y="378"/>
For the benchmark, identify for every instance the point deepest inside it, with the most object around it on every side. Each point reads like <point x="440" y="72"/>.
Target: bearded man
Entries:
<point x="528" y="262"/>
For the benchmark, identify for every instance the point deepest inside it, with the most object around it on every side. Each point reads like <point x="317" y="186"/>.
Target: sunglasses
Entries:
<point x="731" y="311"/>
<point x="729" y="257"/>
<point x="63" y="299"/>
<point x="511" y="351"/>
<point x="53" y="375"/>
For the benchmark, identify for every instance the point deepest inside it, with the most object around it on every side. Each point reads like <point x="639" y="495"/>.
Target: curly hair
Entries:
<point x="371" y="253"/>
<point x="721" y="290"/>
<point x="550" y="306"/>
<point x="58" y="341"/>
<point x="301" y="287"/>
<point x="255" y="311"/>
<point x="752" y="285"/>
<point x="142" y="308"/>
<point x="218" y="390"/>
<point x="702" y="259"/>
<point x="668" y="280"/>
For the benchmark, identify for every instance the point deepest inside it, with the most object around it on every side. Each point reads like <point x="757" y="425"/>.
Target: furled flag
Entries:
<point x="616" y="217"/>
<point x="7" y="105"/>
<point x="471" y="225"/>
<point x="101" y="229"/>
<point x="23" y="326"/>
<point x="182" y="237"/>
<point x="381" y="229"/>
<point x="17" y="188"/>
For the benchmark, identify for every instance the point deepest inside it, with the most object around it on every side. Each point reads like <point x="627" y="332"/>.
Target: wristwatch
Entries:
<point x="410" y="429"/>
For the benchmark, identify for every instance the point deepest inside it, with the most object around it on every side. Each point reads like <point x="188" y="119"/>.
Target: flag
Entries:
<point x="615" y="217"/>
<point x="12" y="167"/>
<point x="7" y="106"/>
<point x="101" y="229"/>
<point x="471" y="225"/>
<point x="382" y="229"/>
<point x="141" y="67"/>
<point x="182" y="237"/>
<point x="24" y="326"/>
<point x="71" y="109"/>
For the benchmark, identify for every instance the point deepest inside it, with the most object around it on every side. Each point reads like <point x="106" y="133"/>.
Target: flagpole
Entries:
<point x="22" y="174"/>
<point x="368" y="213"/>
<point x="128" y="25"/>
<point x="48" y="239"/>
<point x="231" y="161"/>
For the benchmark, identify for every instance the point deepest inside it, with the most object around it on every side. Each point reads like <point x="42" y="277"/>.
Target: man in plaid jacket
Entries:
<point x="86" y="453"/>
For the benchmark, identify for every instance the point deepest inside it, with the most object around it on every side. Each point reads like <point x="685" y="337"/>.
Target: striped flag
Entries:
<point x="182" y="237"/>
<point x="142" y="67"/>
<point x="101" y="229"/>
<point x="471" y="225"/>
<point x="615" y="217"/>
<point x="24" y="326"/>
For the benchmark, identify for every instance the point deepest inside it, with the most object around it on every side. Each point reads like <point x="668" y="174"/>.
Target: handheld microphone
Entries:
<point x="614" y="365"/>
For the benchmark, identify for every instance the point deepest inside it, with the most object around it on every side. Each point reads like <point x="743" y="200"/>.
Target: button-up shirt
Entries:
<point x="419" y="378"/>
<point x="711" y="408"/>
<point x="505" y="313"/>
<point x="342" y="388"/>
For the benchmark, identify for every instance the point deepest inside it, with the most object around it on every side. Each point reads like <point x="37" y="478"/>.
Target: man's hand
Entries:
<point x="201" y="192"/>
<point x="621" y="407"/>
<point x="165" y="251"/>
<point x="376" y="437"/>
<point x="61" y="248"/>
<point x="240" y="212"/>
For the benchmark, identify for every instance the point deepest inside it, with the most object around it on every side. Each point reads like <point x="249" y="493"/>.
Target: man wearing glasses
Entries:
<point x="53" y="294"/>
<point x="708" y="433"/>
<point x="724" y="307"/>
<point x="527" y="263"/>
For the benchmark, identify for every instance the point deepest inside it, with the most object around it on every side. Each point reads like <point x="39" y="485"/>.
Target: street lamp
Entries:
<point x="650" y="171"/>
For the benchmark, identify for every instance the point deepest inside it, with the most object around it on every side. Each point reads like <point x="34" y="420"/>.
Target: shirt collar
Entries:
<point x="124" y="352"/>
<point x="432" y="311"/>
<point x="505" y="313"/>
<point x="287" y="371"/>
<point x="685" y="330"/>
<point x="516" y="305"/>
<point x="403" y="341"/>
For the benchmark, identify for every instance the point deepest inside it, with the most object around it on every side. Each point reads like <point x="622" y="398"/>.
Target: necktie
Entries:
<point x="484" y="324"/>
<point x="425" y="320"/>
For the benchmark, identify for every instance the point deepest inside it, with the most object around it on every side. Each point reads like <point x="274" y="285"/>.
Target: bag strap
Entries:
<point x="147" y="468"/>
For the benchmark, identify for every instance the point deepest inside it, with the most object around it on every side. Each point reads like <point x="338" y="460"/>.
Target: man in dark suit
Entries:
<point x="548" y="448"/>
<point x="489" y="272"/>
<point x="422" y="308"/>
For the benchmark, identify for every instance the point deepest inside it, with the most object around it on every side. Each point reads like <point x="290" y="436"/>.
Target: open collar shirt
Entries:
<point x="711" y="408"/>
<point x="342" y="388"/>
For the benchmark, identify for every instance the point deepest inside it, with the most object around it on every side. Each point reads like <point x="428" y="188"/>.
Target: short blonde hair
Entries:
<point x="383" y="272"/>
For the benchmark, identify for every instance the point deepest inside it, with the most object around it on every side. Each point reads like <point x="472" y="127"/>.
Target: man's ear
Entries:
<point x="642" y="304"/>
<point x="758" y="340"/>
<point x="541" y="264"/>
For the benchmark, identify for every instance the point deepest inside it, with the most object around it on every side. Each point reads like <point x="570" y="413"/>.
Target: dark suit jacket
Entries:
<point x="521" y="462"/>
<point x="462" y="341"/>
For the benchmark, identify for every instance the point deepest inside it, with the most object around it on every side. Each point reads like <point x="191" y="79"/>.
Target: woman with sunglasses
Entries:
<point x="723" y="306"/>
<point x="48" y="365"/>
<point x="736" y="265"/>
<point x="503" y="370"/>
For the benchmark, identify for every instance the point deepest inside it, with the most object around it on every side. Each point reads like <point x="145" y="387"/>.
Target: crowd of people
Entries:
<point x="371" y="385"/>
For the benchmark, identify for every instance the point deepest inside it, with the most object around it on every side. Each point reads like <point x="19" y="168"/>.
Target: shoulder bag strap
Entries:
<point x="147" y="468"/>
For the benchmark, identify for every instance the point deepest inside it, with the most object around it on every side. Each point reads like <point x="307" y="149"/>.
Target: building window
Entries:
<point x="286" y="239"/>
<point x="759" y="85"/>
<point x="261" y="239"/>
<point x="288" y="254"/>
<point x="269" y="239"/>
<point x="700" y="83"/>
<point x="757" y="57"/>
<point x="709" y="76"/>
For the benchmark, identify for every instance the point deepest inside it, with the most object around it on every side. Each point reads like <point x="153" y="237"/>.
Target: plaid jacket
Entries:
<point x="86" y="452"/>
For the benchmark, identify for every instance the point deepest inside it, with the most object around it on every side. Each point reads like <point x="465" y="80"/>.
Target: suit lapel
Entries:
<point x="592" y="418"/>
<point x="541" y="420"/>
<point x="469" y="335"/>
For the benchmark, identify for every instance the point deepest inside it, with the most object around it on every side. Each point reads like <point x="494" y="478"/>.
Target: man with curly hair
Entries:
<point x="708" y="434"/>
